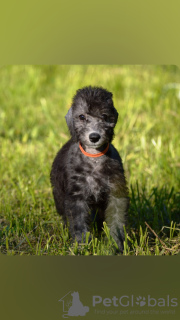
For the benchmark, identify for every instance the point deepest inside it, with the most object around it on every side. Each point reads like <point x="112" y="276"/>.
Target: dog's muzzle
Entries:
<point x="94" y="137"/>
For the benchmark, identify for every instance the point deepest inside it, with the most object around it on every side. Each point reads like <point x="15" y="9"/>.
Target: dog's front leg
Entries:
<point x="77" y="216"/>
<point x="116" y="218"/>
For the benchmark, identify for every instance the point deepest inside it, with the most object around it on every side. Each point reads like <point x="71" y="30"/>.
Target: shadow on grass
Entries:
<point x="158" y="208"/>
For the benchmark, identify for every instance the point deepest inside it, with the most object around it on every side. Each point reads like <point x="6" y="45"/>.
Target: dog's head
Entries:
<point x="92" y="117"/>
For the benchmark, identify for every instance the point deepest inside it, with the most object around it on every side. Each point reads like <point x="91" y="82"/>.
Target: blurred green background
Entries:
<point x="33" y="103"/>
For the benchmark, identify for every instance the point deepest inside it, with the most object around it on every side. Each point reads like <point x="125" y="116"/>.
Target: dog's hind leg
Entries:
<point x="58" y="198"/>
<point x="116" y="218"/>
<point x="78" y="216"/>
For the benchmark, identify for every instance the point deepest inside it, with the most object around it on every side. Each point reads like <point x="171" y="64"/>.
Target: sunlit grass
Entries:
<point x="33" y="103"/>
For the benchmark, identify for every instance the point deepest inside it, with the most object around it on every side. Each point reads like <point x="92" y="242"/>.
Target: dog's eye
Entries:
<point x="82" y="117"/>
<point x="104" y="117"/>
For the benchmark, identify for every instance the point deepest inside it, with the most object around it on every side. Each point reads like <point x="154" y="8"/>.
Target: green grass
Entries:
<point x="33" y="103"/>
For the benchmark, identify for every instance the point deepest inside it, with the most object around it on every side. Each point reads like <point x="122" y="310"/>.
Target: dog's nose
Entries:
<point x="94" y="137"/>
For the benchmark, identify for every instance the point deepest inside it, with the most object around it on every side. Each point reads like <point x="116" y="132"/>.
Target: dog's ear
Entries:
<point x="70" y="124"/>
<point x="115" y="117"/>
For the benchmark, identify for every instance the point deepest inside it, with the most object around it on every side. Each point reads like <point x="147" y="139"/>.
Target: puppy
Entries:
<point x="87" y="174"/>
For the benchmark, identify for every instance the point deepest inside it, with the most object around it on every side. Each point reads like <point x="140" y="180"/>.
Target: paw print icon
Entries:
<point x="141" y="301"/>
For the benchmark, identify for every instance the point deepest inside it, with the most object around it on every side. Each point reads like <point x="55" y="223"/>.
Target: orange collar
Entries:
<point x="91" y="154"/>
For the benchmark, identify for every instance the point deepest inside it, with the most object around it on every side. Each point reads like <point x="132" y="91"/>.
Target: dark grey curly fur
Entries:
<point x="87" y="188"/>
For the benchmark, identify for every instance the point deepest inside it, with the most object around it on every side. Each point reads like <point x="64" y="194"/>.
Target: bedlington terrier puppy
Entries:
<point x="87" y="175"/>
